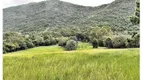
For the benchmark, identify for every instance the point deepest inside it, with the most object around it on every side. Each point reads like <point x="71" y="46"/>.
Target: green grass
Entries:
<point x="85" y="63"/>
<point x="85" y="46"/>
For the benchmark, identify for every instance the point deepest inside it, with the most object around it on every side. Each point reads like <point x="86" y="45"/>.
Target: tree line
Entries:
<point x="69" y="38"/>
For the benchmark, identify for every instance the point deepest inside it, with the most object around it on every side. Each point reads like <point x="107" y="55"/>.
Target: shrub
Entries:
<point x="71" y="45"/>
<point x="95" y="43"/>
<point x="108" y="43"/>
<point x="119" y="42"/>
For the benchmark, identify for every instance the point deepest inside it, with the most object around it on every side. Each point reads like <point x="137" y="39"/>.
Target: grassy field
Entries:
<point x="85" y="63"/>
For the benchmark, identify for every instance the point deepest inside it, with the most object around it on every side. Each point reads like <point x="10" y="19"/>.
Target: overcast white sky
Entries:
<point x="8" y="3"/>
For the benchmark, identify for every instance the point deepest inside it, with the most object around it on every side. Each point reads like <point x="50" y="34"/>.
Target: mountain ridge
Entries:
<point x="41" y="15"/>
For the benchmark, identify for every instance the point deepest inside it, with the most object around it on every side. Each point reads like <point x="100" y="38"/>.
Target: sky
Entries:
<point x="8" y="3"/>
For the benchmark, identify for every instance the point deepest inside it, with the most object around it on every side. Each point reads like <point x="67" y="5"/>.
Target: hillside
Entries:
<point x="55" y="13"/>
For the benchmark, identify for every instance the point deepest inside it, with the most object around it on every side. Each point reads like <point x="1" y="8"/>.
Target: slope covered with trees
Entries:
<point x="54" y="13"/>
<point x="136" y="18"/>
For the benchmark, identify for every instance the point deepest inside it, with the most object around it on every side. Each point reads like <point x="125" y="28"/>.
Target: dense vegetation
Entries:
<point x="103" y="35"/>
<point x="85" y="63"/>
<point x="38" y="17"/>
<point x="136" y="18"/>
<point x="72" y="42"/>
<point x="68" y="39"/>
<point x="31" y="33"/>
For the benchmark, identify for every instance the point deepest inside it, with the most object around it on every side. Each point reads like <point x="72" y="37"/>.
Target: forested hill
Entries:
<point x="55" y="13"/>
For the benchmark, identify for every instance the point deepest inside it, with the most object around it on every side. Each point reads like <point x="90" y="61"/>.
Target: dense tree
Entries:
<point x="81" y="36"/>
<point x="95" y="43"/>
<point x="108" y="43"/>
<point x="53" y="41"/>
<point x="9" y="47"/>
<point x="73" y="38"/>
<point x="134" y="41"/>
<point x="100" y="32"/>
<point x="137" y="40"/>
<point x="29" y="43"/>
<point x="101" y="43"/>
<point x="23" y="46"/>
<point x="17" y="41"/>
<point x="62" y="42"/>
<point x="12" y="41"/>
<point x="119" y="42"/>
<point x="136" y="18"/>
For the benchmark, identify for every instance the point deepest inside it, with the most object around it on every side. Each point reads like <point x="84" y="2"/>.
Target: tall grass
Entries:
<point x="53" y="63"/>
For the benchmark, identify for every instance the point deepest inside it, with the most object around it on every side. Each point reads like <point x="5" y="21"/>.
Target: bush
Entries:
<point x="95" y="43"/>
<point x="71" y="45"/>
<point x="119" y="42"/>
<point x="108" y="43"/>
